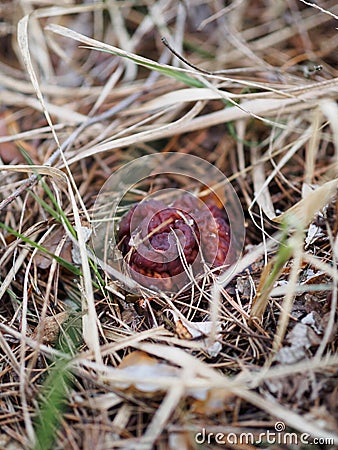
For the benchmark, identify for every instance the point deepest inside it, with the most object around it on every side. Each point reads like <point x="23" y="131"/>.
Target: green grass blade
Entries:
<point x="165" y="70"/>
<point x="67" y="265"/>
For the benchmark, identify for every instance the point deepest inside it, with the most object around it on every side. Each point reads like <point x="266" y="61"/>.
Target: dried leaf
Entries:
<point x="203" y="400"/>
<point x="305" y="334"/>
<point x="182" y="331"/>
<point x="9" y="152"/>
<point x="303" y="212"/>
<point x="199" y="331"/>
<point x="314" y="232"/>
<point x="51" y="243"/>
<point x="146" y="367"/>
<point x="213" y="401"/>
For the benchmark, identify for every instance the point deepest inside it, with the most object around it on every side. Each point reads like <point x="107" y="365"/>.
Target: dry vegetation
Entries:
<point x="83" y="363"/>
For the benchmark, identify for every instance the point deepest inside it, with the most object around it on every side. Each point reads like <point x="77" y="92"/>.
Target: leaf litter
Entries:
<point x="87" y="87"/>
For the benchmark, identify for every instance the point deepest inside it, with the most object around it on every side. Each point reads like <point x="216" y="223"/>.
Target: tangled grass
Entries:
<point x="87" y="87"/>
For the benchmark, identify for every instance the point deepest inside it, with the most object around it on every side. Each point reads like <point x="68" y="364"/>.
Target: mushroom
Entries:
<point x="158" y="241"/>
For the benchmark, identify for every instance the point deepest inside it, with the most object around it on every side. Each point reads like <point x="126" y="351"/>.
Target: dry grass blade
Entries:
<point x="303" y="211"/>
<point x="314" y="5"/>
<point x="24" y="46"/>
<point x="57" y="174"/>
<point x="246" y="349"/>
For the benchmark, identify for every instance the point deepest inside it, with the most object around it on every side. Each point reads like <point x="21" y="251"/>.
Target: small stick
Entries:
<point x="174" y="52"/>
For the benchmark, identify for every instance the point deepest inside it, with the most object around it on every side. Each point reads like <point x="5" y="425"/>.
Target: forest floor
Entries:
<point x="105" y="105"/>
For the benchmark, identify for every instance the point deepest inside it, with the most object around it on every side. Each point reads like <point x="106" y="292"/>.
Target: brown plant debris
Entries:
<point x="86" y="87"/>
